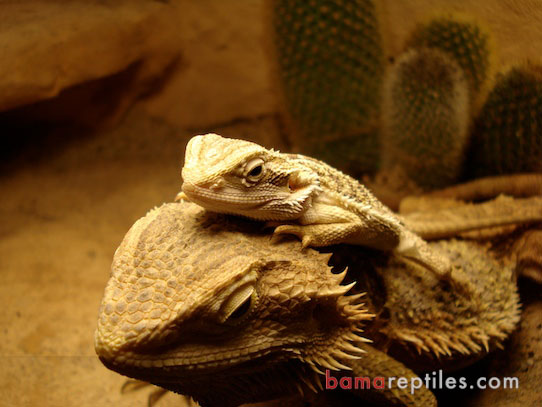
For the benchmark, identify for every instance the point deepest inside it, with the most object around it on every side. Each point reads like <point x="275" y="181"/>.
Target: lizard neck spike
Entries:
<point x="339" y="277"/>
<point x="340" y="290"/>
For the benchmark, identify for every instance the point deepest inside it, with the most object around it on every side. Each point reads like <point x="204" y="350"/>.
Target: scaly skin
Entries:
<point x="202" y="304"/>
<point x="322" y="205"/>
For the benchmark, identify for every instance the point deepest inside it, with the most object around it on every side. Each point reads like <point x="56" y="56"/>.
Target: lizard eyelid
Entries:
<point x="238" y="305"/>
<point x="254" y="169"/>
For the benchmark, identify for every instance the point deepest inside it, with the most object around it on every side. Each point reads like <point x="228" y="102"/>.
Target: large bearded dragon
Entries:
<point x="307" y="198"/>
<point x="203" y="305"/>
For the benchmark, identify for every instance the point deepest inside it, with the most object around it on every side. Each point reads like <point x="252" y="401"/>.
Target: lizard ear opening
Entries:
<point x="299" y="180"/>
<point x="302" y="185"/>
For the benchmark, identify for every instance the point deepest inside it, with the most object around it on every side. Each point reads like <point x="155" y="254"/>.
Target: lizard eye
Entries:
<point x="241" y="310"/>
<point x="238" y="305"/>
<point x="255" y="170"/>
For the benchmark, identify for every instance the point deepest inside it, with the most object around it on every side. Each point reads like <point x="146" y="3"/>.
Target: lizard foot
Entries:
<point x="463" y="283"/>
<point x="134" y="385"/>
<point x="299" y="231"/>
<point x="319" y="235"/>
<point x="444" y="270"/>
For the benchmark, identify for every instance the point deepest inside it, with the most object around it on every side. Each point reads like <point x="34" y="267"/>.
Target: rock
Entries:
<point x="47" y="47"/>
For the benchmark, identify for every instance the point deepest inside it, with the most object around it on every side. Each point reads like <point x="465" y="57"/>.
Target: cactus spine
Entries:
<point x="425" y="117"/>
<point x="329" y="64"/>
<point x="467" y="43"/>
<point x="507" y="134"/>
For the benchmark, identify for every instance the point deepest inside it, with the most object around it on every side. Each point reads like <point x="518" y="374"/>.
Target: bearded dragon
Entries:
<point x="202" y="304"/>
<point x="310" y="199"/>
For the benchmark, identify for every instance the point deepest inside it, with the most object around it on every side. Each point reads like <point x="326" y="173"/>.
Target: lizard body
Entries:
<point x="322" y="205"/>
<point x="318" y="203"/>
<point x="242" y="178"/>
<point x="202" y="304"/>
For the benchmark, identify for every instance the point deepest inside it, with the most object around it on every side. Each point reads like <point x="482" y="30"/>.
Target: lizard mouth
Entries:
<point x="228" y="197"/>
<point x="260" y="206"/>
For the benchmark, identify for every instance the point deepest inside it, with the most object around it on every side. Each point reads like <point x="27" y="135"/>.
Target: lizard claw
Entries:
<point x="275" y="238"/>
<point x="181" y="196"/>
<point x="306" y="242"/>
<point x="306" y="239"/>
<point x="289" y="230"/>
<point x="460" y="281"/>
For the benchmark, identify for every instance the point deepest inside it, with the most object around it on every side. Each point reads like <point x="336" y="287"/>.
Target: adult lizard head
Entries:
<point x="203" y="305"/>
<point x="239" y="177"/>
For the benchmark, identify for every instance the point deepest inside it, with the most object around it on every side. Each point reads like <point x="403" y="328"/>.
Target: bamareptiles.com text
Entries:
<point x="433" y="381"/>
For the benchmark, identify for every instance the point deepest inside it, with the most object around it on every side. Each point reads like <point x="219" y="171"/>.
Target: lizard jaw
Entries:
<point x="266" y="206"/>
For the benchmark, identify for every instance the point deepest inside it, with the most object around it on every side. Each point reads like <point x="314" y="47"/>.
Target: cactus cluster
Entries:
<point x="422" y="115"/>
<point x="507" y="134"/>
<point x="329" y="62"/>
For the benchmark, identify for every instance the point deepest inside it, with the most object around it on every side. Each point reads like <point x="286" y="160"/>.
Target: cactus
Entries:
<point x="467" y="42"/>
<point x="507" y="134"/>
<point x="329" y="64"/>
<point x="349" y="151"/>
<point x="425" y="116"/>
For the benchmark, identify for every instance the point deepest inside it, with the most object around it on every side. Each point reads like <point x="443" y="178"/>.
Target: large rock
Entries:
<point x="46" y="47"/>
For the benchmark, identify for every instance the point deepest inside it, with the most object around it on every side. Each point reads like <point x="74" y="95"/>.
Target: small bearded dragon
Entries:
<point x="320" y="204"/>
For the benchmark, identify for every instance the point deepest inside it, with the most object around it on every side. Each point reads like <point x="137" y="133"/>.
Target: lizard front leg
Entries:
<point x="327" y="224"/>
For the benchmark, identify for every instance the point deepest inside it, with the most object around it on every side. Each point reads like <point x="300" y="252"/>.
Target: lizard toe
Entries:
<point x="275" y="238"/>
<point x="298" y="231"/>
<point x="306" y="241"/>
<point x="289" y="230"/>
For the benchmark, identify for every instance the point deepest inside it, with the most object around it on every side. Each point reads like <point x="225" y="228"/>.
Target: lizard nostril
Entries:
<point x="216" y="186"/>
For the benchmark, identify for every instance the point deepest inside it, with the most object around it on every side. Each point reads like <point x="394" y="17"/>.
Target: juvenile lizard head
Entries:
<point x="206" y="307"/>
<point x="243" y="178"/>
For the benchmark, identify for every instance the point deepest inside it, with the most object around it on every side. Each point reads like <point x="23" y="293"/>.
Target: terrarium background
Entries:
<point x="98" y="99"/>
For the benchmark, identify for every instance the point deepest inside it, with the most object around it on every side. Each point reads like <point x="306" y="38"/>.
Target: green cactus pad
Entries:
<point x="507" y="134"/>
<point x="467" y="42"/>
<point x="425" y="117"/>
<point x="329" y="64"/>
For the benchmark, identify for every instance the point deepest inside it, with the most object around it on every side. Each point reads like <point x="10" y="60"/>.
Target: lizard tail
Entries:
<point x="501" y="211"/>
